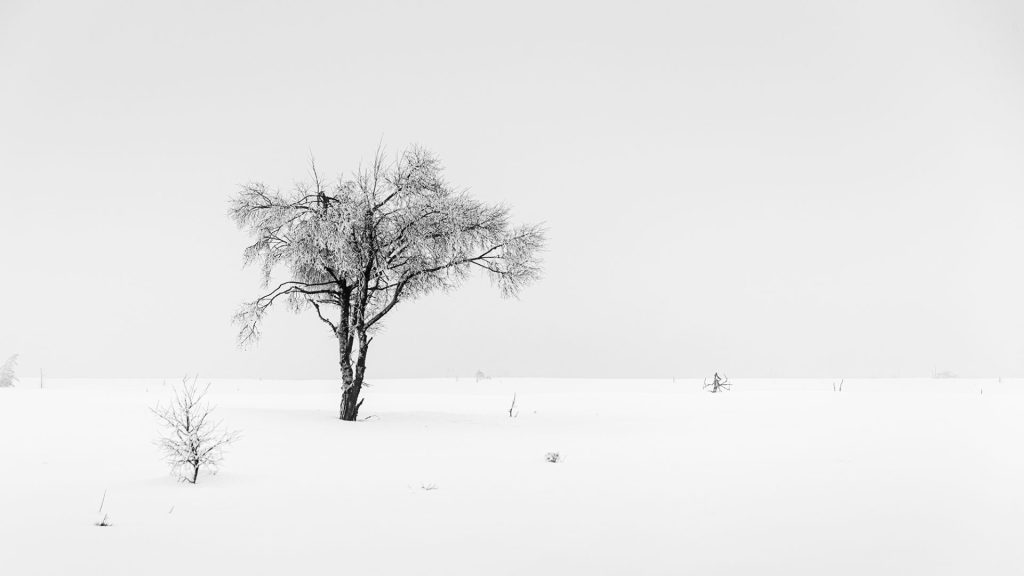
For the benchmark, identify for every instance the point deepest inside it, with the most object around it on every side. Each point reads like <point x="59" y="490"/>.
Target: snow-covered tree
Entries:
<point x="352" y="251"/>
<point x="192" y="440"/>
<point x="7" y="376"/>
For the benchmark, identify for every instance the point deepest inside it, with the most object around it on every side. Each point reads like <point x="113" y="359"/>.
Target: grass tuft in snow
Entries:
<point x="105" y="520"/>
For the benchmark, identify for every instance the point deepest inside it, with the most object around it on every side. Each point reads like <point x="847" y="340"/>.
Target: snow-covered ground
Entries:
<point x="775" y="477"/>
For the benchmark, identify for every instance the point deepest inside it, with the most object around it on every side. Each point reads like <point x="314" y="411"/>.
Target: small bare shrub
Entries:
<point x="553" y="457"/>
<point x="192" y="439"/>
<point x="104" y="521"/>
<point x="718" y="384"/>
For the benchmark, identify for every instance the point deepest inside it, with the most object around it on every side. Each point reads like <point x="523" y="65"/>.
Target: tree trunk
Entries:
<point x="352" y="383"/>
<point x="349" y="409"/>
<point x="350" y="402"/>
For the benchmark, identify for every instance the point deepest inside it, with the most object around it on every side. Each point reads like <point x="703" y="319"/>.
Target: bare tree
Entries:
<point x="192" y="439"/>
<point x="352" y="251"/>
<point x="7" y="375"/>
<point x="718" y="383"/>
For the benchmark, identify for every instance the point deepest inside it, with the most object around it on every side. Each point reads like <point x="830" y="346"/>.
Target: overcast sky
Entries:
<point x="783" y="188"/>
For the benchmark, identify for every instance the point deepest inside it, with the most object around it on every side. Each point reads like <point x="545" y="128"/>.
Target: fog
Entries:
<point x="856" y="213"/>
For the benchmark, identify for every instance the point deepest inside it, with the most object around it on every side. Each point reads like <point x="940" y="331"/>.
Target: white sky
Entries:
<point x="762" y="188"/>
